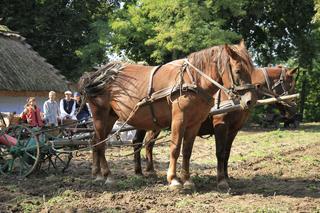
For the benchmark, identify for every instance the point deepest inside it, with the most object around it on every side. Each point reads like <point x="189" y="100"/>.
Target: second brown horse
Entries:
<point x="272" y="81"/>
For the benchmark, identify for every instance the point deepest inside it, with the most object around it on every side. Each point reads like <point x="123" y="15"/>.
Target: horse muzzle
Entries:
<point x="248" y="100"/>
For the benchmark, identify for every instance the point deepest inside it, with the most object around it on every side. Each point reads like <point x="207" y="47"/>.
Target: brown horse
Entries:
<point x="156" y="97"/>
<point x="271" y="81"/>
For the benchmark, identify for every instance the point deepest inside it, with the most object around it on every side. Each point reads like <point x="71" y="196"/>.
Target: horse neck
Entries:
<point x="273" y="74"/>
<point x="203" y="83"/>
<point x="208" y="64"/>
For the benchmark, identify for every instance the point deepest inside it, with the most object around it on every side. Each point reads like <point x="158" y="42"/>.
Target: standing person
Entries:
<point x="51" y="110"/>
<point x="84" y="112"/>
<point x="67" y="107"/>
<point x="31" y="113"/>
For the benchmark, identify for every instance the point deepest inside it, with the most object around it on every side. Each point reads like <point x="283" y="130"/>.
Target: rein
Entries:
<point x="229" y="92"/>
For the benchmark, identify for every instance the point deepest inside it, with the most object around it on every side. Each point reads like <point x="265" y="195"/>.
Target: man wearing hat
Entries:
<point x="67" y="107"/>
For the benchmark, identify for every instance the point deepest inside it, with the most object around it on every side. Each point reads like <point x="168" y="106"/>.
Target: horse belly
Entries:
<point x="143" y="118"/>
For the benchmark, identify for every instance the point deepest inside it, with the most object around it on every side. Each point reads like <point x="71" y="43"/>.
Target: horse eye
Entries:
<point x="237" y="71"/>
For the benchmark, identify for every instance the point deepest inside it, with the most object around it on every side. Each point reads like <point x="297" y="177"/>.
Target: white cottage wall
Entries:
<point x="16" y="104"/>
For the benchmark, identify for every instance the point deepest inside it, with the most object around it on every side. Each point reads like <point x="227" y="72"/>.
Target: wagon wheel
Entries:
<point x="20" y="159"/>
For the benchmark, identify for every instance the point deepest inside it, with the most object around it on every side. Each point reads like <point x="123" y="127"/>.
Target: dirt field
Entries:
<point x="272" y="171"/>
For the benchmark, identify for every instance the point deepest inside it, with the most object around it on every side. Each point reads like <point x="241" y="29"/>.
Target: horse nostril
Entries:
<point x="258" y="86"/>
<point x="248" y="103"/>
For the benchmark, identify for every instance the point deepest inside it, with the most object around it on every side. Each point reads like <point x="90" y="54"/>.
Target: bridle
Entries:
<point x="237" y="88"/>
<point x="232" y="92"/>
<point x="280" y="82"/>
<point x="272" y="88"/>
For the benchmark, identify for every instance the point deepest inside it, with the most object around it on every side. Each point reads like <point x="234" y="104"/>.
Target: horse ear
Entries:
<point x="242" y="43"/>
<point x="293" y="71"/>
<point x="230" y="51"/>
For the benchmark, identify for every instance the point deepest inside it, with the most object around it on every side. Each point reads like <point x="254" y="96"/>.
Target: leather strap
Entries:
<point x="264" y="71"/>
<point x="153" y="72"/>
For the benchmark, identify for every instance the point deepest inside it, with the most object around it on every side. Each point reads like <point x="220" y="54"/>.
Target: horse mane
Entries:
<point x="214" y="55"/>
<point x="93" y="83"/>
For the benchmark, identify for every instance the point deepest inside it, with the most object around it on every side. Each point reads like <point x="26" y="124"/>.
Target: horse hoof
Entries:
<point x="99" y="178"/>
<point x="189" y="185"/>
<point x="223" y="186"/>
<point x="110" y="181"/>
<point x="175" y="185"/>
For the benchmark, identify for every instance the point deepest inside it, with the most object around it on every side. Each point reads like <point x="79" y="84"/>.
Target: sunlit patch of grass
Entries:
<point x="30" y="205"/>
<point x="270" y="208"/>
<point x="185" y="202"/>
<point x="12" y="187"/>
<point x="133" y="182"/>
<point x="26" y="203"/>
<point x="65" y="198"/>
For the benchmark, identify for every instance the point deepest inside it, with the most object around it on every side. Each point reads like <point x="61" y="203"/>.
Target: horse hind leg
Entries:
<point x="150" y="141"/>
<point x="221" y="133"/>
<point x="105" y="171"/>
<point x="137" y="145"/>
<point x="103" y="121"/>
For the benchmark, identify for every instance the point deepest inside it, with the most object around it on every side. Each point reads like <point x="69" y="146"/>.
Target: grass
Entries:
<point x="64" y="199"/>
<point x="133" y="182"/>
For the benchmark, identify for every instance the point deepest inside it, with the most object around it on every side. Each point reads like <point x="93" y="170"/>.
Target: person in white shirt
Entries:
<point x="51" y="110"/>
<point x="68" y="107"/>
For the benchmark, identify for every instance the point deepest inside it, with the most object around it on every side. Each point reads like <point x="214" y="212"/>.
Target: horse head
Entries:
<point x="277" y="81"/>
<point x="286" y="85"/>
<point x="236" y="73"/>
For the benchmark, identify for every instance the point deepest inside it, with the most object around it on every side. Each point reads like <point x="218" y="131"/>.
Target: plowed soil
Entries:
<point x="271" y="171"/>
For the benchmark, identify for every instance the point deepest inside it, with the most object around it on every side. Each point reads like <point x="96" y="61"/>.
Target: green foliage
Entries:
<point x="317" y="9"/>
<point x="161" y="31"/>
<point x="68" y="33"/>
<point x="75" y="35"/>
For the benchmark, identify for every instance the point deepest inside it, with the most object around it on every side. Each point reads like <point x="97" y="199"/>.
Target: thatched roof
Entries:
<point x="23" y="69"/>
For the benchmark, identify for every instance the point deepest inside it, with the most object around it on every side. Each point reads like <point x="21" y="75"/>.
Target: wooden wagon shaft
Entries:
<point x="278" y="99"/>
<point x="65" y="143"/>
<point x="236" y="107"/>
<point x="80" y="130"/>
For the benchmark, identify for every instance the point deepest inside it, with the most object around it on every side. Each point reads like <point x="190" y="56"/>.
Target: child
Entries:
<point x="31" y="113"/>
<point x="51" y="110"/>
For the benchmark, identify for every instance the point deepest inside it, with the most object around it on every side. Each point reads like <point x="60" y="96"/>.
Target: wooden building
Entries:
<point x="24" y="73"/>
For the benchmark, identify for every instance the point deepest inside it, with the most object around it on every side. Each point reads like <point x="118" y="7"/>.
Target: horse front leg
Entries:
<point x="221" y="132"/>
<point x="96" y="170"/>
<point x="103" y="123"/>
<point x="137" y="145"/>
<point x="105" y="171"/>
<point x="230" y="138"/>
<point x="188" y="141"/>
<point x="150" y="141"/>
<point x="177" y="130"/>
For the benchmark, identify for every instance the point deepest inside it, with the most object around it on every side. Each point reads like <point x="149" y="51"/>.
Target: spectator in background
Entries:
<point x="31" y="113"/>
<point x="67" y="107"/>
<point x="51" y="110"/>
<point x="84" y="112"/>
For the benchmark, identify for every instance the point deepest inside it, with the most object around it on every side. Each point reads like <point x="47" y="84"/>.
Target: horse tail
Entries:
<point x="92" y="84"/>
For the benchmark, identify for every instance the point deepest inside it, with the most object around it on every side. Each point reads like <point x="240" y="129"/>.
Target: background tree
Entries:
<point x="161" y="31"/>
<point x="71" y="35"/>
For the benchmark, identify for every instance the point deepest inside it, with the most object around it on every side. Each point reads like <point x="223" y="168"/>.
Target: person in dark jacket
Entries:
<point x="83" y="113"/>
